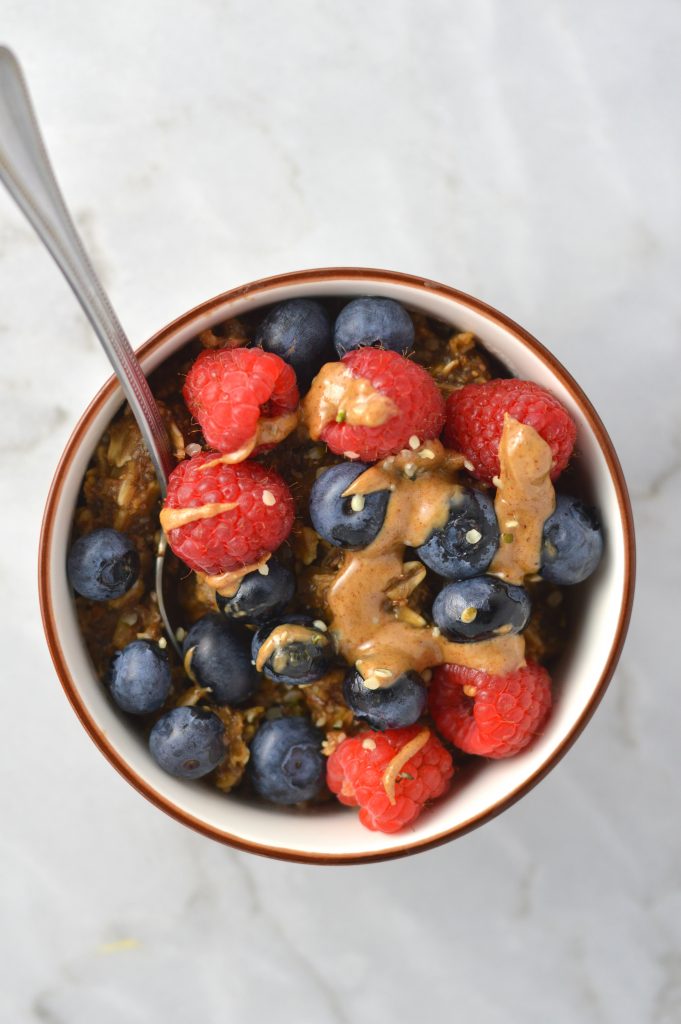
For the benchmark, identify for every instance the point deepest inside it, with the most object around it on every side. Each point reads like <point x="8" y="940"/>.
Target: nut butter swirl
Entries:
<point x="364" y="622"/>
<point x="337" y="396"/>
<point x="524" y="500"/>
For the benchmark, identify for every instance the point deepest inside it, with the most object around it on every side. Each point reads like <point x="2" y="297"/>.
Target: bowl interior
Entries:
<point x="331" y="832"/>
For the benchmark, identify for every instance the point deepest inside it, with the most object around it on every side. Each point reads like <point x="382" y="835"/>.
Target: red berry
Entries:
<point x="503" y="716"/>
<point x="260" y="521"/>
<point x="358" y="773"/>
<point x="475" y="420"/>
<point x="419" y="403"/>
<point x="228" y="390"/>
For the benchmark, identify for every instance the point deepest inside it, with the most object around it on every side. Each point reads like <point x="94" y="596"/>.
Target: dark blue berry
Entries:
<point x="298" y="330"/>
<point x="572" y="543"/>
<point x="220" y="659"/>
<point x="465" y="545"/>
<point x="287" y="765"/>
<point x="103" y="565"/>
<point x="480" y="609"/>
<point x="139" y="677"/>
<point x="295" y="661"/>
<point x="389" y="707"/>
<point x="259" y="597"/>
<point x="373" y="321"/>
<point x="188" y="742"/>
<point x="333" y="516"/>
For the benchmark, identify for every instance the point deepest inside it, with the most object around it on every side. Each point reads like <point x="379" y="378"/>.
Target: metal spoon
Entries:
<point x="28" y="176"/>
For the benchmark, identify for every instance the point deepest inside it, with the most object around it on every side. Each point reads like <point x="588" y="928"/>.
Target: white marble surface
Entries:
<point x="527" y="152"/>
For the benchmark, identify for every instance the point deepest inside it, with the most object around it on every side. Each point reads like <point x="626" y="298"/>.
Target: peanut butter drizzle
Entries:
<point x="227" y="583"/>
<point x="270" y="430"/>
<point x="364" y="623"/>
<point x="288" y="633"/>
<point x="337" y="396"/>
<point x="173" y="518"/>
<point x="525" y="499"/>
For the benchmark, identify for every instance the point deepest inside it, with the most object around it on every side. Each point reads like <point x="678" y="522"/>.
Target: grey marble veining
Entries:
<point x="525" y="152"/>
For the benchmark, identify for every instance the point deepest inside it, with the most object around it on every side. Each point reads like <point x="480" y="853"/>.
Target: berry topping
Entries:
<point x="229" y="391"/>
<point x="218" y="656"/>
<point x="391" y="775"/>
<point x="480" y="609"/>
<point x="287" y="764"/>
<point x="373" y="321"/>
<point x="103" y="565"/>
<point x="494" y="716"/>
<point x="298" y="331"/>
<point x="261" y="594"/>
<point x="293" y="652"/>
<point x="228" y="516"/>
<point x="350" y="522"/>
<point x="465" y="545"/>
<point x="188" y="742"/>
<point x="389" y="707"/>
<point x="139" y="677"/>
<point x="418" y="407"/>
<point x="475" y="420"/>
<point x="572" y="543"/>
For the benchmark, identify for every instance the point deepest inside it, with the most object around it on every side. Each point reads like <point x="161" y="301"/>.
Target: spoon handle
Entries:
<point x="26" y="172"/>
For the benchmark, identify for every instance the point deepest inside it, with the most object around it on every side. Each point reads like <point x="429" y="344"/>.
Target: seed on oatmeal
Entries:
<point x="467" y="464"/>
<point x="351" y="455"/>
<point x="180" y="634"/>
<point x="473" y="536"/>
<point x="427" y="453"/>
<point x="436" y="631"/>
<point x="315" y="454"/>
<point x="414" y="442"/>
<point x="357" y="502"/>
<point x="321" y="626"/>
<point x="503" y="630"/>
<point x="382" y="673"/>
<point x="511" y="524"/>
<point x="369" y="744"/>
<point x="410" y="470"/>
<point x="497" y="482"/>
<point x="268" y="498"/>
<point x="193" y="449"/>
<point x="507" y="538"/>
<point x="372" y="683"/>
<point x="264" y="569"/>
<point x="470" y="690"/>
<point x="162" y="643"/>
<point x="469" y="614"/>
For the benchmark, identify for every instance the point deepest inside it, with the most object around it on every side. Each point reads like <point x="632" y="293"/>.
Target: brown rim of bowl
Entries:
<point x="266" y="284"/>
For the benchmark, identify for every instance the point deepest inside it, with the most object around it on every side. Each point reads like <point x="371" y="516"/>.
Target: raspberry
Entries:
<point x="358" y="773"/>
<point x="225" y="540"/>
<point x="409" y="386"/>
<point x="475" y="420"/>
<point x="503" y="716"/>
<point x="228" y="390"/>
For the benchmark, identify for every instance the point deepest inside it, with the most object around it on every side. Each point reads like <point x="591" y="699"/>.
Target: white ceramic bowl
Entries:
<point x="334" y="835"/>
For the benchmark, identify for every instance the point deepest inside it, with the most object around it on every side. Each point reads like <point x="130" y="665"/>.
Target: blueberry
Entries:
<point x="259" y="597"/>
<point x="188" y="742"/>
<point x="573" y="542"/>
<point x="220" y="659"/>
<point x="389" y="707"/>
<point x="103" y="565"/>
<point x="287" y="765"/>
<point x="465" y="545"/>
<point x="294" y="660"/>
<point x="373" y="321"/>
<point x="139" y="677"/>
<point x="298" y="330"/>
<point x="480" y="609"/>
<point x="346" y="522"/>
